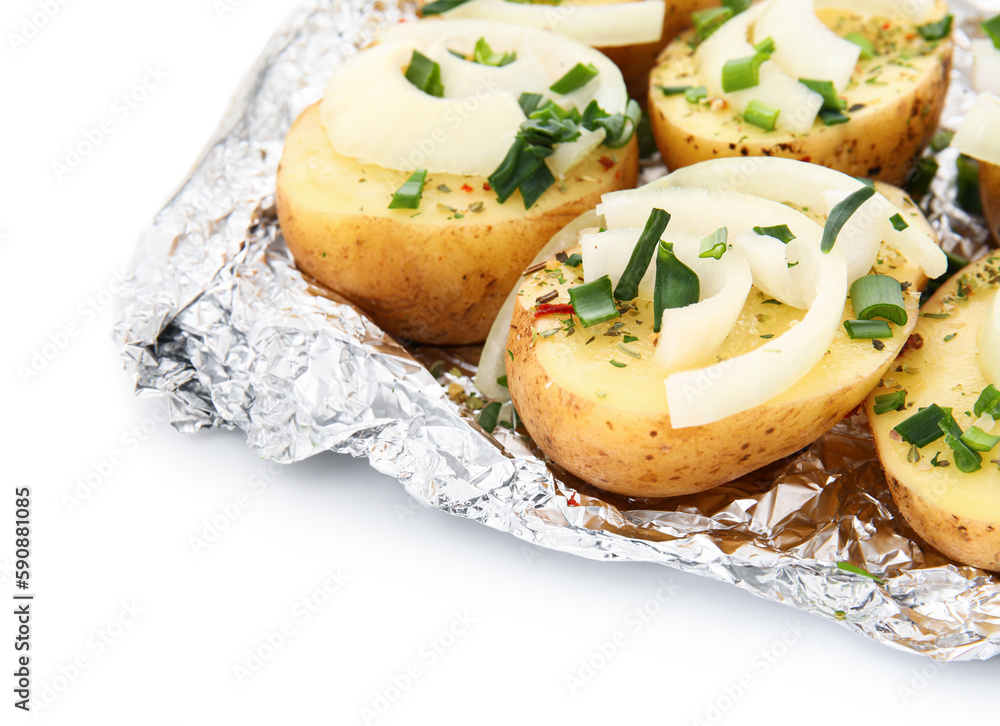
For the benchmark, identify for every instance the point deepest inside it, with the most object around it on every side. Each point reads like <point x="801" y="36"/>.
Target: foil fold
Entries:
<point x="216" y="319"/>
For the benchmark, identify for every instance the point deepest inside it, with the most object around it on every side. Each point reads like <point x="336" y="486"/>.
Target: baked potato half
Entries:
<point x="956" y="511"/>
<point x="891" y="105"/>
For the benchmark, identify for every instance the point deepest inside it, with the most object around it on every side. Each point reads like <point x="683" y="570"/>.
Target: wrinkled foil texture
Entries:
<point x="217" y="320"/>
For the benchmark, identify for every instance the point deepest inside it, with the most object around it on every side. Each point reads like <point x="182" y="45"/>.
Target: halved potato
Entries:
<point x="438" y="274"/>
<point x="894" y="101"/>
<point x="610" y="423"/>
<point x="956" y="512"/>
<point x="989" y="190"/>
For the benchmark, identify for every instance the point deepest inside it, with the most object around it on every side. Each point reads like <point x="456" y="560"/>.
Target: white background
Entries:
<point x="131" y="625"/>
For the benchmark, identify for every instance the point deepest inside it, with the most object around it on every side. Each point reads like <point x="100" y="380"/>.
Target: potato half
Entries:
<point x="894" y="101"/>
<point x="609" y="423"/>
<point x="956" y="512"/>
<point x="438" y="274"/>
<point x="989" y="190"/>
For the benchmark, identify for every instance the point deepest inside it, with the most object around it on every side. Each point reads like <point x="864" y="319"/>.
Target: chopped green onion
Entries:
<point x="408" y="195"/>
<point x="988" y="402"/>
<point x="529" y="102"/>
<point x="878" y="296"/>
<point x="715" y="245"/>
<point x="574" y="260"/>
<point x="489" y="415"/>
<point x="693" y="95"/>
<point x="898" y="223"/>
<point x="936" y="30"/>
<point x="502" y="381"/>
<point x="921" y="177"/>
<point x="889" y="402"/>
<point x="425" y="74"/>
<point x="968" y="185"/>
<point x="618" y="128"/>
<point x="577" y="77"/>
<point x="867" y="329"/>
<point x="484" y="55"/>
<point x="616" y="364"/>
<point x="762" y="115"/>
<point x="866" y="181"/>
<point x="955" y="263"/>
<point x="854" y="569"/>
<point x="867" y="47"/>
<point x="593" y="302"/>
<point x="765" y="46"/>
<point x="967" y="460"/>
<point x="839" y="215"/>
<point x="677" y="285"/>
<point x="642" y="255"/>
<point x="740" y="73"/>
<point x="825" y="88"/>
<point x="737" y="6"/>
<point x="978" y="440"/>
<point x="709" y="20"/>
<point x="524" y="166"/>
<point x="832" y="117"/>
<point x="441" y="6"/>
<point x="673" y="90"/>
<point x="779" y="232"/>
<point x="992" y="28"/>
<point x="942" y="139"/>
<point x="922" y="427"/>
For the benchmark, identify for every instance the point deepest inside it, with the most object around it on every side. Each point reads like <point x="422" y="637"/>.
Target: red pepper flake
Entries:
<point x="806" y="159"/>
<point x="856" y="410"/>
<point x="914" y="342"/>
<point x="543" y="310"/>
<point x="911" y="36"/>
<point x="572" y="500"/>
<point x="606" y="162"/>
<point x="487" y="188"/>
<point x="886" y="26"/>
<point x="466" y="188"/>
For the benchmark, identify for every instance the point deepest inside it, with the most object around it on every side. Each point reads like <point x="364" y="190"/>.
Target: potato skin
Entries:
<point x="989" y="190"/>
<point x="881" y="141"/>
<point x="434" y="278"/>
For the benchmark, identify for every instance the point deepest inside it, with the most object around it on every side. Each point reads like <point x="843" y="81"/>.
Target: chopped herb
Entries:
<point x="967" y="460"/>
<point x="642" y="255"/>
<point x="922" y="427"/>
<point x="593" y="302"/>
<point x="867" y="47"/>
<point x="510" y="353"/>
<point x="889" y="402"/>
<point x="694" y="95"/>
<point x="715" y="245"/>
<point x="942" y="139"/>
<point x="867" y="329"/>
<point x="441" y="6"/>
<point x="937" y="30"/>
<point x="425" y="74"/>
<point x="988" y="402"/>
<point x="767" y="336"/>
<point x="709" y="20"/>
<point x="618" y="128"/>
<point x="950" y="337"/>
<point x="898" y="223"/>
<point x="779" y="232"/>
<point x="992" y="28"/>
<point x="921" y="177"/>
<point x="628" y="351"/>
<point x="444" y="189"/>
<point x="485" y="56"/>
<point x="616" y="364"/>
<point x="765" y="46"/>
<point x="577" y="77"/>
<point x="855" y="570"/>
<point x="476" y="207"/>
<point x="502" y="380"/>
<point x="489" y="415"/>
<point x="630" y="339"/>
<point x="676" y="284"/>
<point x="967" y="196"/>
<point x="437" y="368"/>
<point x="840" y="214"/>
<point x="574" y="260"/>
<point x="529" y="102"/>
<point x="408" y="196"/>
<point x="832" y="117"/>
<point x="772" y="301"/>
<point x="978" y="440"/>
<point x="831" y="100"/>
<point x="673" y="90"/>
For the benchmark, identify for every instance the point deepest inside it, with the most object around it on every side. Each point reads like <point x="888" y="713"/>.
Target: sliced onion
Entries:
<point x="728" y="42"/>
<point x="803" y="46"/>
<point x="816" y="187"/>
<point x="566" y="156"/>
<point x="988" y="342"/>
<point x="979" y="136"/>
<point x="465" y="79"/>
<point x="598" y="25"/>
<point x="608" y="253"/>
<point x="917" y="12"/>
<point x="705" y="395"/>
<point x="986" y="66"/>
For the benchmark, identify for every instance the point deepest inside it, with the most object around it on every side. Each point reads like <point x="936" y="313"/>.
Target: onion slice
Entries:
<point x="979" y="136"/>
<point x="988" y="342"/>
<point x="917" y="12"/>
<point x="598" y="25"/>
<point x="985" y="66"/>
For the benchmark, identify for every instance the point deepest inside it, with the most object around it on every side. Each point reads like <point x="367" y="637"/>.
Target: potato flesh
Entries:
<point x="946" y="373"/>
<point x="907" y="71"/>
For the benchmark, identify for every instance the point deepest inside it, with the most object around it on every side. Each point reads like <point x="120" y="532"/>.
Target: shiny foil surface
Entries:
<point x="217" y="319"/>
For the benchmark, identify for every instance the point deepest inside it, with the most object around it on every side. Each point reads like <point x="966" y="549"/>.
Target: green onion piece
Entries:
<point x="425" y="74"/>
<point x="741" y="73"/>
<point x="489" y="415"/>
<point x="942" y="139"/>
<point x="866" y="181"/>
<point x="762" y="115"/>
<point x="978" y="440"/>
<point x="839" y="215"/>
<point x="709" y="20"/>
<point x="529" y="102"/>
<point x="955" y="263"/>
<point x="642" y="255"/>
<point x="441" y="6"/>
<point x="867" y="47"/>
<point x="593" y="302"/>
<point x="779" y="232"/>
<point x="921" y="177"/>
<point x="922" y="427"/>
<point x="677" y="285"/>
<point x="484" y="55"/>
<point x="949" y="425"/>
<point x="854" y="569"/>
<point x="988" y="402"/>
<point x="898" y="223"/>
<point x="577" y="77"/>
<point x="618" y="128"/>
<point x="889" y="402"/>
<point x="878" y="296"/>
<point x="937" y="30"/>
<point x="574" y="260"/>
<point x="832" y="117"/>
<point x="825" y="88"/>
<point x="673" y="90"/>
<point x="693" y="95"/>
<point x="502" y="381"/>
<point x="867" y="329"/>
<point x="457" y="54"/>
<point x="968" y="185"/>
<point x="967" y="460"/>
<point x="737" y="6"/>
<point x="992" y="28"/>
<point x="617" y="364"/>
<point x="715" y="245"/>
<point x="765" y="46"/>
<point x="408" y="195"/>
<point x="524" y="166"/>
